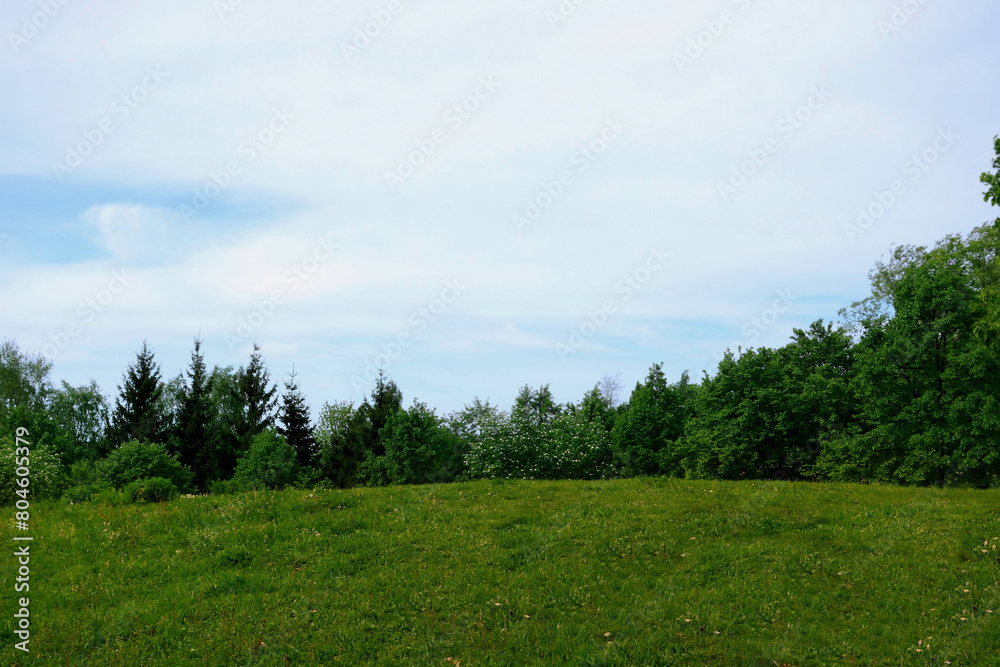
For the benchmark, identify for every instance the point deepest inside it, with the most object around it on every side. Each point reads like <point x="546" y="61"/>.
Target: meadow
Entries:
<point x="644" y="571"/>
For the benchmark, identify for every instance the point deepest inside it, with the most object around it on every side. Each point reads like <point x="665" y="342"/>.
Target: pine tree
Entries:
<point x="194" y="441"/>
<point x="257" y="401"/>
<point x="138" y="413"/>
<point x="294" y="419"/>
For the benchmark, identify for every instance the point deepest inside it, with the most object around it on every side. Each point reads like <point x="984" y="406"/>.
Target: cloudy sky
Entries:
<point x="476" y="195"/>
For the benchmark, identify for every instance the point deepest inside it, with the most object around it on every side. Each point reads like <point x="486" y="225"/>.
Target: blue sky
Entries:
<point x="477" y="193"/>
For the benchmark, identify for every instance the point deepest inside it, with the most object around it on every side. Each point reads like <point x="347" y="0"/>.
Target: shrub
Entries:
<point x="136" y="460"/>
<point x="270" y="463"/>
<point x="152" y="490"/>
<point x="47" y="477"/>
<point x="519" y="447"/>
<point x="221" y="487"/>
<point x="111" y="497"/>
<point x="84" y="492"/>
<point x="373" y="471"/>
<point x="419" y="449"/>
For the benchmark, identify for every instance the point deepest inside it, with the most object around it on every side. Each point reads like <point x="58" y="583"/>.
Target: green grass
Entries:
<point x="628" y="572"/>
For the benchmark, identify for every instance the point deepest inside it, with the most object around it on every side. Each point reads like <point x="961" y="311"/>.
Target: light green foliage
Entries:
<point x="339" y="443"/>
<point x="24" y="378"/>
<point x="992" y="195"/>
<point x="142" y="460"/>
<point x="270" y="464"/>
<point x="82" y="413"/>
<point x="47" y="477"/>
<point x="153" y="490"/>
<point x="518" y="446"/>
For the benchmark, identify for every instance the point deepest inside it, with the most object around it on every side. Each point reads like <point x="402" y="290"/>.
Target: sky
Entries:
<point x="474" y="196"/>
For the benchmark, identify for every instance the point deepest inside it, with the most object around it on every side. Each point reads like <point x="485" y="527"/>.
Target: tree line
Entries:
<point x="905" y="389"/>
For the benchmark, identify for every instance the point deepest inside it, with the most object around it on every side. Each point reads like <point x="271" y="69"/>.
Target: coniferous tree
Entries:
<point x="138" y="413"/>
<point x="387" y="400"/>
<point x="194" y="442"/>
<point x="257" y="401"/>
<point x="293" y="417"/>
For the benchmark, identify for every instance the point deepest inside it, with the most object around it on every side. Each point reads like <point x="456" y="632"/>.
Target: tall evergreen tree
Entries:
<point x="138" y="413"/>
<point x="293" y="416"/>
<point x="193" y="441"/>
<point x="257" y="400"/>
<point x="387" y="400"/>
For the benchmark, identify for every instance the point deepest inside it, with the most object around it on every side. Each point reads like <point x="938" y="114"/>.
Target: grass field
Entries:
<point x="628" y="572"/>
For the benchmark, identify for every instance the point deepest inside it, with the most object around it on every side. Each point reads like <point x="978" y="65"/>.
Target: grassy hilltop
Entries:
<point x="628" y="572"/>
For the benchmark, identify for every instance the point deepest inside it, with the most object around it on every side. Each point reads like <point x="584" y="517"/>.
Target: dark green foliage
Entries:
<point x="137" y="460"/>
<point x="928" y="386"/>
<point x="419" y="449"/>
<point x="386" y="401"/>
<point x="293" y="419"/>
<point x="256" y="400"/>
<point x="270" y="463"/>
<point x="768" y="413"/>
<point x="645" y="433"/>
<point x="352" y="443"/>
<point x="196" y="440"/>
<point x="152" y="490"/>
<point x="221" y="487"/>
<point x="139" y="411"/>
<point x="43" y="429"/>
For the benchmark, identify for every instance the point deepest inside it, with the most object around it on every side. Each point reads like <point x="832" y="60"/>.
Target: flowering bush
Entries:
<point x="47" y="476"/>
<point x="520" y="446"/>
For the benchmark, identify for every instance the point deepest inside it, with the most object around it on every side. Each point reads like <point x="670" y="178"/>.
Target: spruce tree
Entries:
<point x="138" y="413"/>
<point x="387" y="400"/>
<point x="257" y="401"/>
<point x="194" y="442"/>
<point x="293" y="417"/>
